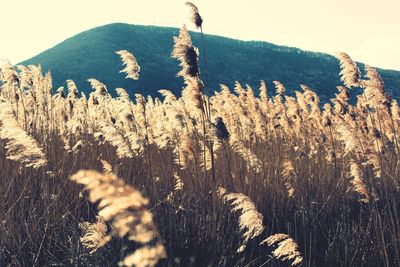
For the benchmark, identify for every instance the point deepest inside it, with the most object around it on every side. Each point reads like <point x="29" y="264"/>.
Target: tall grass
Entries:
<point x="235" y="179"/>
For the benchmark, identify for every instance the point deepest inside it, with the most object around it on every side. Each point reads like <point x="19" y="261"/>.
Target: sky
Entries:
<point x="368" y="30"/>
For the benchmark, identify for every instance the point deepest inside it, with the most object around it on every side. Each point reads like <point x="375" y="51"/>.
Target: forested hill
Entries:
<point x="90" y="54"/>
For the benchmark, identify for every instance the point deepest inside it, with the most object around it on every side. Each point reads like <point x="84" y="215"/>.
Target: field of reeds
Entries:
<point x="241" y="178"/>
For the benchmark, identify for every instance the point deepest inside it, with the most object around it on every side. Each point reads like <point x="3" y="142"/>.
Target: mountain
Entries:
<point x="91" y="54"/>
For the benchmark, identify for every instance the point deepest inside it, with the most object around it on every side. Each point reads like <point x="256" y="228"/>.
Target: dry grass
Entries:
<point x="323" y="175"/>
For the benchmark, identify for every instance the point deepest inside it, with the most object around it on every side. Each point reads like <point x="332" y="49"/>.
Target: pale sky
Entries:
<point x="368" y="30"/>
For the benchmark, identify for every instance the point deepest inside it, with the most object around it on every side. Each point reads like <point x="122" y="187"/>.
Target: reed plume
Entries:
<point x="196" y="18"/>
<point x="250" y="220"/>
<point x="374" y="90"/>
<point x="94" y="234"/>
<point x="107" y="168"/>
<point x="146" y="256"/>
<point x="178" y="188"/>
<point x="289" y="175"/>
<point x="132" y="68"/>
<point x="252" y="161"/>
<point x="357" y="182"/>
<point x="186" y="53"/>
<point x="350" y="74"/>
<point x="279" y="87"/>
<point x="286" y="248"/>
<point x="99" y="87"/>
<point x="116" y="138"/>
<point x="263" y="91"/>
<point x="125" y="209"/>
<point x="20" y="146"/>
<point x="72" y="89"/>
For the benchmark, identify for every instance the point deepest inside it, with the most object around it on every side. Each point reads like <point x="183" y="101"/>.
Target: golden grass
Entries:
<point x="325" y="174"/>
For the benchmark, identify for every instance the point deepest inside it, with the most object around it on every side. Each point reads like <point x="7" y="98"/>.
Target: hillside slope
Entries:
<point x="90" y="54"/>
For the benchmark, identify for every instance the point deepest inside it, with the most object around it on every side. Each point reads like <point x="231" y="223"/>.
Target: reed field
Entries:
<point x="243" y="177"/>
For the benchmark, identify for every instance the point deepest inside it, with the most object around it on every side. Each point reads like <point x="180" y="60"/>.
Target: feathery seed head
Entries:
<point x="132" y="68"/>
<point x="286" y="248"/>
<point x="196" y="18"/>
<point x="350" y="74"/>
